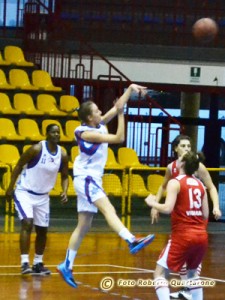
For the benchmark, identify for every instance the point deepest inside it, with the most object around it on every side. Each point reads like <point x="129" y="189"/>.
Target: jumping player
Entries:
<point x="93" y="140"/>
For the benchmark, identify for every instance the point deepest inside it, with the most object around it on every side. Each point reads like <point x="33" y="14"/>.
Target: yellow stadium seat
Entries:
<point x="8" y="131"/>
<point x="4" y="183"/>
<point x="9" y="154"/>
<point x="24" y="104"/>
<point x="20" y="79"/>
<point x="25" y="147"/>
<point x="65" y="150"/>
<point x="153" y="183"/>
<point x="112" y="184"/>
<point x="70" y="126"/>
<point x="128" y="158"/>
<point x="57" y="190"/>
<point x="3" y="62"/>
<point x="111" y="162"/>
<point x="69" y="103"/>
<point x="5" y="105"/>
<point x="47" y="104"/>
<point x="42" y="80"/>
<point x="4" y="83"/>
<point x="15" y="55"/>
<point x="74" y="152"/>
<point x="28" y="128"/>
<point x="137" y="186"/>
<point x="71" y="191"/>
<point x="46" y="122"/>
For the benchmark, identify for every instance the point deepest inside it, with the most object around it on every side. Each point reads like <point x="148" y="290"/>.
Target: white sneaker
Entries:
<point x="182" y="294"/>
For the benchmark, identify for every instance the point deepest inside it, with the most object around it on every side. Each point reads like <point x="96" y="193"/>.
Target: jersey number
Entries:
<point x="195" y="198"/>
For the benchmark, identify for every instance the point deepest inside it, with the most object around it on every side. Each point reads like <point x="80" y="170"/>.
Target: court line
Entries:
<point x="132" y="271"/>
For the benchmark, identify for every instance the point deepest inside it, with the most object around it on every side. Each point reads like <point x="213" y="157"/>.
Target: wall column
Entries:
<point x="190" y="104"/>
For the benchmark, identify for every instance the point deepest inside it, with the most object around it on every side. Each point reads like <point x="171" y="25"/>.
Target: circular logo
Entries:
<point x="107" y="283"/>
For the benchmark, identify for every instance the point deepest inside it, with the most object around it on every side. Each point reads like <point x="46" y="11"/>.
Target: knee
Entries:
<point x="27" y="225"/>
<point x="41" y="230"/>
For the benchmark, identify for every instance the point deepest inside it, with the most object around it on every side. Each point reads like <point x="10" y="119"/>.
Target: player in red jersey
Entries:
<point x="187" y="202"/>
<point x="180" y="145"/>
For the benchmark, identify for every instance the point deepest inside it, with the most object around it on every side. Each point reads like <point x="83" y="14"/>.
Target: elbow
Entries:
<point x="168" y="211"/>
<point x="122" y="139"/>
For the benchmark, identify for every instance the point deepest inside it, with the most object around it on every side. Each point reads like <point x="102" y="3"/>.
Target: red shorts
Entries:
<point x="183" y="248"/>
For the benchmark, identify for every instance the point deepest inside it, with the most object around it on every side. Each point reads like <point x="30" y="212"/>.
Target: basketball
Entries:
<point x="205" y="30"/>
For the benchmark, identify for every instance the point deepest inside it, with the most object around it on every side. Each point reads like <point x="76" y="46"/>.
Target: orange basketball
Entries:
<point x="205" y="30"/>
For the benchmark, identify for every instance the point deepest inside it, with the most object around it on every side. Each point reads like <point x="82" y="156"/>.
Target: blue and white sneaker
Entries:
<point x="66" y="274"/>
<point x="138" y="244"/>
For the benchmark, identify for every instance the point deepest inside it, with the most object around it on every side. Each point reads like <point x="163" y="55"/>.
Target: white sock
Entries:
<point x="127" y="235"/>
<point x="70" y="256"/>
<point x="197" y="293"/>
<point x="24" y="258"/>
<point x="162" y="289"/>
<point x="38" y="259"/>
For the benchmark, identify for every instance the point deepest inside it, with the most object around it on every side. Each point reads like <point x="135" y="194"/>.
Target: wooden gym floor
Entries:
<point x="102" y="267"/>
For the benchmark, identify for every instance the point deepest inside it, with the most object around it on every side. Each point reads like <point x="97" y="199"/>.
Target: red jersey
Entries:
<point x="187" y="212"/>
<point x="175" y="170"/>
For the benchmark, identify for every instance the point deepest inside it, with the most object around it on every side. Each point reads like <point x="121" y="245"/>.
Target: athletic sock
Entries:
<point x="38" y="259"/>
<point x="24" y="258"/>
<point x="70" y="256"/>
<point x="162" y="288"/>
<point x="127" y="235"/>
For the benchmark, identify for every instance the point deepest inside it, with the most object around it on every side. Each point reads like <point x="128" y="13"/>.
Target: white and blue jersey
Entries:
<point x="39" y="175"/>
<point x="92" y="156"/>
<point x="88" y="169"/>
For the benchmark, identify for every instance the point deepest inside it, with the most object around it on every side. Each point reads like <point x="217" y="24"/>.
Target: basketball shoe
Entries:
<point x="26" y="269"/>
<point x="40" y="269"/>
<point x="138" y="244"/>
<point x="66" y="274"/>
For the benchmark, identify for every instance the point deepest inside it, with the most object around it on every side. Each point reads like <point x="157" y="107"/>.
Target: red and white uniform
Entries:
<point x="189" y="238"/>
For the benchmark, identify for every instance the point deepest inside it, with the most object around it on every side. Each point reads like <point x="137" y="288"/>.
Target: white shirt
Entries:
<point x="39" y="175"/>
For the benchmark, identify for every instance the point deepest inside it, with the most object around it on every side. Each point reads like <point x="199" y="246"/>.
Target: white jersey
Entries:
<point x="92" y="156"/>
<point x="39" y="175"/>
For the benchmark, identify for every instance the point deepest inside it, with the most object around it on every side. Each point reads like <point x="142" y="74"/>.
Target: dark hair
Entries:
<point x="85" y="110"/>
<point x="191" y="160"/>
<point x="50" y="126"/>
<point x="177" y="140"/>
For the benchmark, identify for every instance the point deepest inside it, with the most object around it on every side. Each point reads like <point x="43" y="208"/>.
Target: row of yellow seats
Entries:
<point x="19" y="79"/>
<point x="28" y="129"/>
<point x="133" y="185"/>
<point x="14" y="55"/>
<point x="46" y="105"/>
<point x="10" y="154"/>
<point x="112" y="183"/>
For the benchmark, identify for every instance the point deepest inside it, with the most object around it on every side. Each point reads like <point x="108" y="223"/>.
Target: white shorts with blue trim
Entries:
<point x="88" y="190"/>
<point x="31" y="206"/>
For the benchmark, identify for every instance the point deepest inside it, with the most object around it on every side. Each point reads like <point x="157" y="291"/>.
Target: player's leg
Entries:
<point x="183" y="293"/>
<point x="108" y="210"/>
<point x="41" y="222"/>
<point x="83" y="226"/>
<point x="86" y="210"/>
<point x="25" y="213"/>
<point x="161" y="283"/>
<point x="197" y="291"/>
